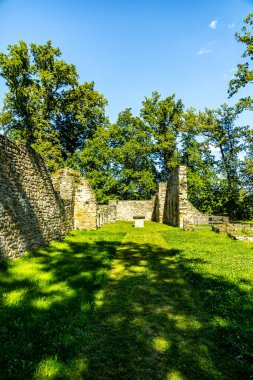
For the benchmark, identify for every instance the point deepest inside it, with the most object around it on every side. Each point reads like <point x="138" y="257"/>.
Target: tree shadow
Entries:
<point x="106" y="310"/>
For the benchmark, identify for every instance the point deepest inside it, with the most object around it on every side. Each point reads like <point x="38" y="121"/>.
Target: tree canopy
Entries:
<point x="45" y="106"/>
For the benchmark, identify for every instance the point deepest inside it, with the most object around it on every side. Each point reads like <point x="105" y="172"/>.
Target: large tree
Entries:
<point x="117" y="160"/>
<point x="163" y="120"/>
<point x="131" y="150"/>
<point x="45" y="106"/>
<point x="203" y="182"/>
<point x="221" y="131"/>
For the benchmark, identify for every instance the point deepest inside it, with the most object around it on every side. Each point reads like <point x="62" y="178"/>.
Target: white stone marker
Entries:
<point x="139" y="221"/>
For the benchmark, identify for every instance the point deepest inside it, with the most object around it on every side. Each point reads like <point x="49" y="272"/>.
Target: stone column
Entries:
<point x="160" y="202"/>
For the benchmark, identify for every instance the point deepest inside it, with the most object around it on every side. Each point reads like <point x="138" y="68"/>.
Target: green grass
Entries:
<point x="125" y="303"/>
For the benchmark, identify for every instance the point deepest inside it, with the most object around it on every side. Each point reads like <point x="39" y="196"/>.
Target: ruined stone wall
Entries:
<point x="77" y="192"/>
<point x="31" y="212"/>
<point x="160" y="202"/>
<point x="85" y="207"/>
<point x="126" y="210"/>
<point x="177" y="208"/>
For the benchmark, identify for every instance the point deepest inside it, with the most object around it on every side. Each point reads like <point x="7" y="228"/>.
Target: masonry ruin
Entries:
<point x="36" y="208"/>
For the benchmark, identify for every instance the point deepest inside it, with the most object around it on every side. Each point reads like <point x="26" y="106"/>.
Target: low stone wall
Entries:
<point x="31" y="212"/>
<point x="126" y="210"/>
<point x="238" y="231"/>
<point x="233" y="229"/>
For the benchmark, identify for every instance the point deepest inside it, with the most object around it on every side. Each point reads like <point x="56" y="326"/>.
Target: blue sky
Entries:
<point x="131" y="48"/>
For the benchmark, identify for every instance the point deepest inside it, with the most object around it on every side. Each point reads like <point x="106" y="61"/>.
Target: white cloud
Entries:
<point x="207" y="49"/>
<point x="213" y="24"/>
<point x="231" y="26"/>
<point x="204" y="51"/>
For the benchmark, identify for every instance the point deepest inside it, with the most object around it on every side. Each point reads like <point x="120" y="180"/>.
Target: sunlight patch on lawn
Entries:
<point x="99" y="298"/>
<point x="14" y="298"/>
<point x="175" y="375"/>
<point x="179" y="281"/>
<point x="31" y="271"/>
<point x="52" y="369"/>
<point x="139" y="321"/>
<point x="219" y="321"/>
<point x="117" y="269"/>
<point x="161" y="344"/>
<point x="138" y="268"/>
<point x="49" y="368"/>
<point x="186" y="322"/>
<point x="53" y="294"/>
<point x="45" y="303"/>
<point x="116" y="319"/>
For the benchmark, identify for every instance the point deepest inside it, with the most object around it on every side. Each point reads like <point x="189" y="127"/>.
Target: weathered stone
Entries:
<point x="31" y="211"/>
<point x="170" y="205"/>
<point x="237" y="231"/>
<point x="177" y="208"/>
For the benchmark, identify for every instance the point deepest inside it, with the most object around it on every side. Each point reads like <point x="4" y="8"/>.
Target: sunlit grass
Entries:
<point x="126" y="303"/>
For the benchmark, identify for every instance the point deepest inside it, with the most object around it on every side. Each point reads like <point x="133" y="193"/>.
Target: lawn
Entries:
<point x="125" y="303"/>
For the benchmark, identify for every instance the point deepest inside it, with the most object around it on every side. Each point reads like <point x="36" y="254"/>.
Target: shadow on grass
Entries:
<point x="102" y="310"/>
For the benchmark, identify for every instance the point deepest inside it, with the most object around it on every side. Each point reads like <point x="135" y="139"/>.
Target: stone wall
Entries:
<point x="177" y="208"/>
<point x="31" y="212"/>
<point x="170" y="205"/>
<point x="161" y="202"/>
<point x="85" y="207"/>
<point x="126" y="210"/>
<point x="237" y="231"/>
<point x="76" y="190"/>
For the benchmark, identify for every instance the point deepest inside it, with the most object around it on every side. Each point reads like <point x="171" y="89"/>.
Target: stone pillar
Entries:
<point x="112" y="211"/>
<point x="85" y="207"/>
<point x="160" y="202"/>
<point x="182" y="194"/>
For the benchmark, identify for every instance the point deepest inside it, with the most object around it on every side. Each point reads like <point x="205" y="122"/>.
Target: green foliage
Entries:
<point x="45" y="106"/>
<point x="119" y="303"/>
<point x="221" y="131"/>
<point x="244" y="74"/>
<point x="116" y="160"/>
<point x="131" y="147"/>
<point x="163" y="119"/>
<point x="201" y="165"/>
<point x="96" y="162"/>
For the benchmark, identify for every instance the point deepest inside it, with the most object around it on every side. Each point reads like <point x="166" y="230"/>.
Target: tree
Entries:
<point x="96" y="163"/>
<point x="163" y="120"/>
<point x="45" y="106"/>
<point x="131" y="151"/>
<point x="116" y="160"/>
<point x="81" y="114"/>
<point x="221" y="132"/>
<point x="244" y="74"/>
<point x="203" y="182"/>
